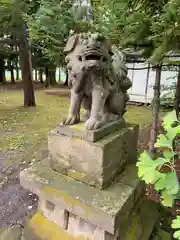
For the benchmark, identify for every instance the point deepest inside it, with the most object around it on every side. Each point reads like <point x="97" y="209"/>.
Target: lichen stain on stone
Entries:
<point x="79" y="126"/>
<point x="74" y="139"/>
<point x="47" y="230"/>
<point x="69" y="200"/>
<point x="76" y="175"/>
<point x="134" y="228"/>
<point x="113" y="136"/>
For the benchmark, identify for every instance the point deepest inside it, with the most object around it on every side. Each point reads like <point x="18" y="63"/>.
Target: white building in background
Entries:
<point x="143" y="82"/>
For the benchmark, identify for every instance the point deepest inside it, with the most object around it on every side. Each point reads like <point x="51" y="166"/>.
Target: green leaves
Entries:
<point x="169" y="119"/>
<point x="169" y="183"/>
<point x="50" y="27"/>
<point x="167" y="200"/>
<point x="147" y="168"/>
<point x="150" y="170"/>
<point x="176" y="225"/>
<point x="163" y="142"/>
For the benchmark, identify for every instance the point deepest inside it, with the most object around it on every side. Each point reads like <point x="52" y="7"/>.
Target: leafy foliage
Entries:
<point x="51" y="25"/>
<point x="150" y="170"/>
<point x="109" y="18"/>
<point x="176" y="225"/>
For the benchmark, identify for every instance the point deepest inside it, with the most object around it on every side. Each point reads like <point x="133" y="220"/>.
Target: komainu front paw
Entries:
<point x="72" y="119"/>
<point x="92" y="123"/>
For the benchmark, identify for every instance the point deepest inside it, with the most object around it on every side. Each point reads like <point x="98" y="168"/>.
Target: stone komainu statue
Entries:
<point x="97" y="76"/>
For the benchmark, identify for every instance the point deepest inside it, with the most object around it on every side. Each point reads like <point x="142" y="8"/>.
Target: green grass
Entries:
<point x="21" y="127"/>
<point x="25" y="129"/>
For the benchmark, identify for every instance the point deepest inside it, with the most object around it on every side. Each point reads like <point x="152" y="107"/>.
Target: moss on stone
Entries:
<point x="45" y="229"/>
<point x="68" y="199"/>
<point x="79" y="126"/>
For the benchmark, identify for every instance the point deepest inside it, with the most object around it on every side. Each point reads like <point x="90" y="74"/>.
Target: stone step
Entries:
<point x="104" y="208"/>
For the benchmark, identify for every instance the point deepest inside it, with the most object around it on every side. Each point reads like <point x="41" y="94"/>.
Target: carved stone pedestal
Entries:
<point x="72" y="151"/>
<point x="72" y="203"/>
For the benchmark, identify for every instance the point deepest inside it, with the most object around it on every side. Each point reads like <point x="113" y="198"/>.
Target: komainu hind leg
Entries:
<point x="116" y="103"/>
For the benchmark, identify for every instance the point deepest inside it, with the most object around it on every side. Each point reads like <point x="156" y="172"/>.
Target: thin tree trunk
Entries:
<point x="155" y="110"/>
<point x="26" y="68"/>
<point x="10" y="66"/>
<point x="17" y="73"/>
<point x="2" y="71"/>
<point x="66" y="81"/>
<point x="52" y="75"/>
<point x="177" y="95"/>
<point x="59" y="74"/>
<point x="41" y="76"/>
<point x="36" y="75"/>
<point x="47" y="81"/>
<point x="12" y="74"/>
<point x="17" y="67"/>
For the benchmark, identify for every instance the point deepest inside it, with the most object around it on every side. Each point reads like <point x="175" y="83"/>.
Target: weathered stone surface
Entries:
<point x="12" y="233"/>
<point x="78" y="230"/>
<point x="54" y="213"/>
<point x="162" y="235"/>
<point x="79" y="130"/>
<point x="93" y="163"/>
<point x="138" y="226"/>
<point x="104" y="208"/>
<point x="140" y="223"/>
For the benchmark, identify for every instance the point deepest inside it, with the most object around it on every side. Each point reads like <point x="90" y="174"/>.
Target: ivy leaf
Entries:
<point x="145" y="156"/>
<point x="168" y="154"/>
<point x="172" y="132"/>
<point x="168" y="182"/>
<point x="147" y="168"/>
<point x="167" y="199"/>
<point x="163" y="142"/>
<point x="176" y="223"/>
<point x="169" y="119"/>
<point x="177" y="234"/>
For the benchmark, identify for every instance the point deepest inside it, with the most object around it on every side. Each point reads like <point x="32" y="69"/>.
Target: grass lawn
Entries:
<point x="25" y="130"/>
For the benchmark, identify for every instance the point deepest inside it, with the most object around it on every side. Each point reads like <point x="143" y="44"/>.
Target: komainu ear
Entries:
<point x="71" y="43"/>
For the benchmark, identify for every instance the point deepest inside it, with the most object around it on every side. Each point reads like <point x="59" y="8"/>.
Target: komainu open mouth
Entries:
<point x="95" y="55"/>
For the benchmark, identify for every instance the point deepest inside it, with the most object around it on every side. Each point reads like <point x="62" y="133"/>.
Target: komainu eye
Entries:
<point x="79" y="58"/>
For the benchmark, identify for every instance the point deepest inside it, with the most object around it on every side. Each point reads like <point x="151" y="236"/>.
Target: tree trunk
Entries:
<point x="2" y="71"/>
<point x="10" y="67"/>
<point x="17" y="67"/>
<point x="66" y="81"/>
<point x="177" y="95"/>
<point x="155" y="110"/>
<point x="17" y="73"/>
<point x="41" y="75"/>
<point x="59" y="74"/>
<point x="47" y="81"/>
<point x="26" y="68"/>
<point x="36" y="75"/>
<point x="12" y="74"/>
<point x="52" y="75"/>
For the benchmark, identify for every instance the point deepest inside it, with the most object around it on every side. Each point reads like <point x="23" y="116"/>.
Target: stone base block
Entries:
<point x="93" y="163"/>
<point x="44" y="229"/>
<point x="78" y="211"/>
<point x="79" y="131"/>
